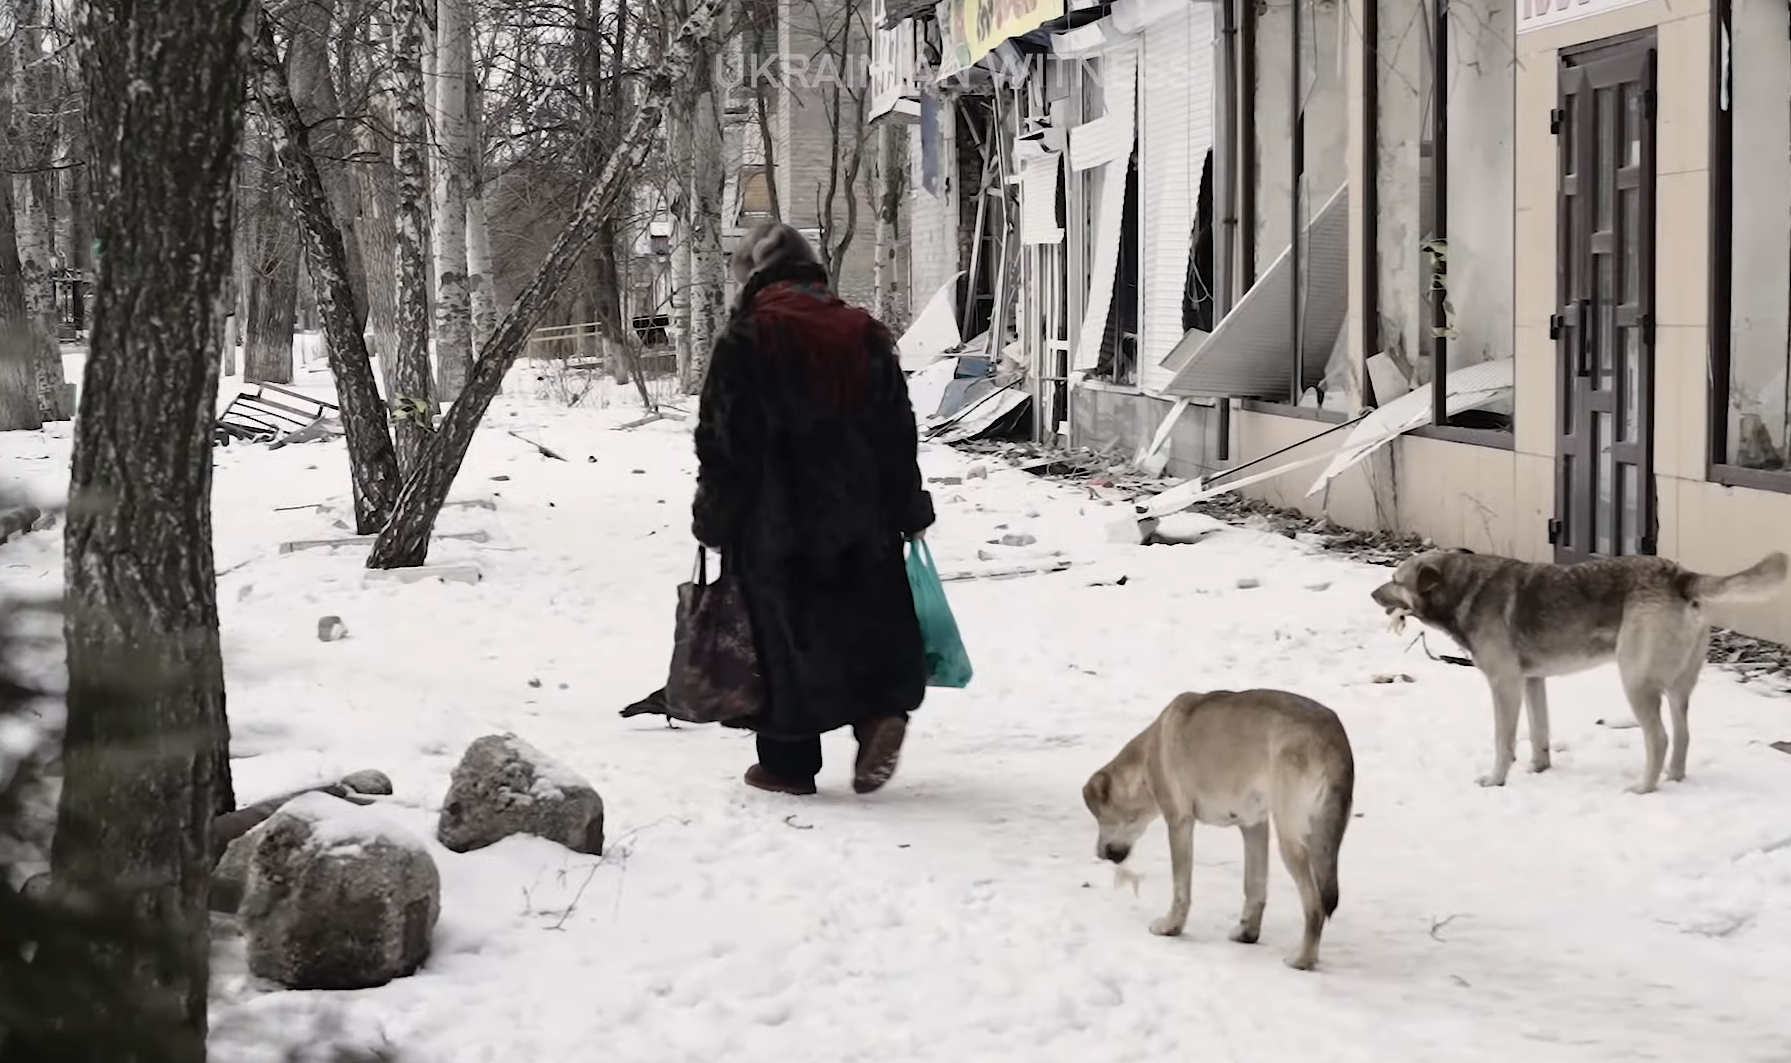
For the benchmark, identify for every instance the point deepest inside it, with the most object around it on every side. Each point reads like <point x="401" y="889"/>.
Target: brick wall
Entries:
<point x="804" y="141"/>
<point x="932" y="224"/>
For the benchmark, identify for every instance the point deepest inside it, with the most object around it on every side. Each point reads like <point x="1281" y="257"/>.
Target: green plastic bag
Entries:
<point x="948" y="665"/>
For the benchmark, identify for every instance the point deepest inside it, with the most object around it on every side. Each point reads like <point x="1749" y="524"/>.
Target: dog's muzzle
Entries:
<point x="1391" y="598"/>
<point x="1115" y="852"/>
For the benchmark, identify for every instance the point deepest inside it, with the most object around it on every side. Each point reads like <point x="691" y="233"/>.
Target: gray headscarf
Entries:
<point x="769" y="244"/>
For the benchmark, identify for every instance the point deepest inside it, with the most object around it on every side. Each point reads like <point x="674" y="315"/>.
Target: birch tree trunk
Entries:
<point x="145" y="747"/>
<point x="452" y="177"/>
<point x="412" y="410"/>
<point x="683" y="259"/>
<point x="708" y="183"/>
<point x="405" y="540"/>
<point x="480" y="278"/>
<point x="34" y="115"/>
<point x="372" y="462"/>
<point x="272" y="294"/>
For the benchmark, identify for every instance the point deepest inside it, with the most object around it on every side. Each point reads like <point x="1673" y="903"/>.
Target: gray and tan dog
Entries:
<point x="1524" y="623"/>
<point x="1244" y="759"/>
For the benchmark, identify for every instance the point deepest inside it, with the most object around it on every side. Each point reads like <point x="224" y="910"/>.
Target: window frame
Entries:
<point x="1720" y="345"/>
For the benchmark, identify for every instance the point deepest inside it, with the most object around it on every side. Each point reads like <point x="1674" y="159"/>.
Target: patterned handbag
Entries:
<point x="715" y="673"/>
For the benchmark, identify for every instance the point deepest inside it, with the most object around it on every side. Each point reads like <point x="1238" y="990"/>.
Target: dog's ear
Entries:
<point x="1428" y="577"/>
<point x="1099" y="787"/>
<point x="1461" y="550"/>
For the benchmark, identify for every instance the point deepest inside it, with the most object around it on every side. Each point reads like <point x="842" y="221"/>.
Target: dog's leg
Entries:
<point x="1679" y="703"/>
<point x="1508" y="700"/>
<point x="1181" y="869"/>
<point x="1644" y="701"/>
<point x="1536" y="705"/>
<point x="1256" y="883"/>
<point x="1299" y="865"/>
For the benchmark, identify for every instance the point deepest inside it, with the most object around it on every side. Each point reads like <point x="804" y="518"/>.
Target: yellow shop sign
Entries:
<point x="970" y="29"/>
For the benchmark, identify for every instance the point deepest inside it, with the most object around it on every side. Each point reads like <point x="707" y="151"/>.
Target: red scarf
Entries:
<point x="804" y="321"/>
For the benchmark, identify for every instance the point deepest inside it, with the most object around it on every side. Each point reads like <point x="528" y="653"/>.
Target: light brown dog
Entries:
<point x="1247" y="759"/>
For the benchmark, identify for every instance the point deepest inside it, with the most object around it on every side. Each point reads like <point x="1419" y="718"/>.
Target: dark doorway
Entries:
<point x="1604" y="328"/>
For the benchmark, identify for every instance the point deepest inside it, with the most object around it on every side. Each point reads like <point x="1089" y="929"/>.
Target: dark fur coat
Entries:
<point x="807" y="484"/>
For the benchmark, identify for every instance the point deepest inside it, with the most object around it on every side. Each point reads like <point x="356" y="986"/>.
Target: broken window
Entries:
<point x="1119" y="343"/>
<point x="1309" y="180"/>
<point x="1444" y="230"/>
<point x="1197" y="295"/>
<point x="755" y="195"/>
<point x="1752" y="400"/>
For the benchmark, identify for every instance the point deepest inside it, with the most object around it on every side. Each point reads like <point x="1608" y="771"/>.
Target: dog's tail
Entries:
<point x="1749" y="585"/>
<point x="1329" y="820"/>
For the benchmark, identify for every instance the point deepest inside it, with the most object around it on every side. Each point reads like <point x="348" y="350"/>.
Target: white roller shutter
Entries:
<point x="1038" y="200"/>
<point x="1115" y="131"/>
<point x="1175" y="134"/>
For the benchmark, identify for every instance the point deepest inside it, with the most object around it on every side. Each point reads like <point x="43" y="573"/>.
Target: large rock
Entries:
<point x="504" y="786"/>
<point x="338" y="896"/>
<point x="232" y="833"/>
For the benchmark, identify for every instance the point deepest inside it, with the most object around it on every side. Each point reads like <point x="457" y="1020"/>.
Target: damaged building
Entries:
<point x="1469" y="269"/>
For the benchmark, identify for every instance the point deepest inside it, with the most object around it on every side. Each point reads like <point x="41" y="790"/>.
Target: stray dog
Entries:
<point x="1242" y="759"/>
<point x="1524" y="623"/>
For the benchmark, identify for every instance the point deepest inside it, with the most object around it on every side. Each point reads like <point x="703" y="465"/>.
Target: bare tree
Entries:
<point x="405" y="540"/>
<point x="452" y="176"/>
<point x="18" y="344"/>
<point x="144" y="754"/>
<point x="372" y="462"/>
<point x="845" y="35"/>
<point x="412" y="406"/>
<point x="312" y="29"/>
<point x="270" y="255"/>
<point x="35" y="131"/>
<point x="763" y="71"/>
<point x="376" y="183"/>
<point x="481" y="276"/>
<point x="19" y="408"/>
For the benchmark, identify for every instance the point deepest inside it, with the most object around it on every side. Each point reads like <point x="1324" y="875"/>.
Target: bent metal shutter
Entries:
<point x="1106" y="142"/>
<point x="1175" y="133"/>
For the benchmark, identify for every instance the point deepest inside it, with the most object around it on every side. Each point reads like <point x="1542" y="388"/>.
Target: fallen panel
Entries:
<point x="1468" y="388"/>
<point x="934" y="333"/>
<point x="927" y="387"/>
<point x="1183" y="495"/>
<point x="367" y="540"/>
<point x="1247" y="354"/>
<point x="984" y="415"/>
<point x="443" y="573"/>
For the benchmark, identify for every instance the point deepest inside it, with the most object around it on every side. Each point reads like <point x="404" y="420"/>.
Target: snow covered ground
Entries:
<point x="961" y="914"/>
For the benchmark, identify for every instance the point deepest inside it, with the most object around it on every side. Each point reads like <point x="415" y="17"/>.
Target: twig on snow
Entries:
<point x="617" y="854"/>
<point x="545" y="452"/>
<point x="1436" y="926"/>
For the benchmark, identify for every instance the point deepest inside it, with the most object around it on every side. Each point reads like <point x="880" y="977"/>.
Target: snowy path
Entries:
<point x="960" y="914"/>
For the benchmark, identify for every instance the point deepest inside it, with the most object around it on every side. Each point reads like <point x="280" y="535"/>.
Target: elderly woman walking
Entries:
<point x="808" y="486"/>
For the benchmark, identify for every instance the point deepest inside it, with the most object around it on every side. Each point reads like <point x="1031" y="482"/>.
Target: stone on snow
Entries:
<point x="338" y="896"/>
<point x="504" y="786"/>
